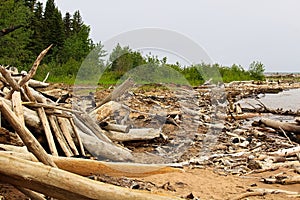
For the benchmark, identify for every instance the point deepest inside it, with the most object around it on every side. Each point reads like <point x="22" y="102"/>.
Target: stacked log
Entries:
<point x="68" y="132"/>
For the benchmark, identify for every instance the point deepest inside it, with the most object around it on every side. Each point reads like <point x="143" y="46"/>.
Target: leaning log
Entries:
<point x="64" y="185"/>
<point x="28" y="139"/>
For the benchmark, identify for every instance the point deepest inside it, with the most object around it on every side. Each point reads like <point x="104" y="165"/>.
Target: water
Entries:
<point x="287" y="100"/>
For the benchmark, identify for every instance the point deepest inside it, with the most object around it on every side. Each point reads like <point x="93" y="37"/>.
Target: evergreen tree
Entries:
<point x="77" y="22"/>
<point x="30" y="4"/>
<point x="37" y="39"/>
<point x="53" y="27"/>
<point x="68" y="25"/>
<point x="13" y="45"/>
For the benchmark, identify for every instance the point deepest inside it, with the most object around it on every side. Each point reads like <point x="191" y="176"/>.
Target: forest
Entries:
<point x="36" y="26"/>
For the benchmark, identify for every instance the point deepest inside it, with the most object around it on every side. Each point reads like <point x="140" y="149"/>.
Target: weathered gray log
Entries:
<point x="28" y="139"/>
<point x="77" y="136"/>
<point x="290" y="127"/>
<point x="134" y="135"/>
<point x="104" y="150"/>
<point x="84" y="128"/>
<point x="114" y="127"/>
<point x="64" y="185"/>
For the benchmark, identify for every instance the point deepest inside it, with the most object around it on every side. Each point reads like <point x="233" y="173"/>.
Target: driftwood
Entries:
<point x="273" y="191"/>
<point x="286" y="152"/>
<point x="284" y="181"/>
<point x="290" y="127"/>
<point x="67" y="134"/>
<point x="63" y="185"/>
<point x="32" y="83"/>
<point x="86" y="167"/>
<point x="121" y="89"/>
<point x="28" y="139"/>
<point x="114" y="127"/>
<point x="134" y="135"/>
<point x="101" y="149"/>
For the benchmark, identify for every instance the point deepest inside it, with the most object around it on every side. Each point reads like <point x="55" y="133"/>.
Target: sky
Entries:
<point x="229" y="31"/>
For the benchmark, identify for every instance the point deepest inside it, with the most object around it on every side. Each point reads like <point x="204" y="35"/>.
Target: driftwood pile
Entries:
<point x="47" y="136"/>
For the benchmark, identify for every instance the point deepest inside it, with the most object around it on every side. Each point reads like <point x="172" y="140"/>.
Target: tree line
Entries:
<point x="36" y="26"/>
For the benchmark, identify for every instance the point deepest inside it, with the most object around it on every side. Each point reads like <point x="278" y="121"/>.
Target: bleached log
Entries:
<point x="33" y="83"/>
<point x="114" y="127"/>
<point x="273" y="191"/>
<point x="64" y="185"/>
<point x="86" y="167"/>
<point x="28" y="139"/>
<point x="31" y="118"/>
<point x="75" y="131"/>
<point x="290" y="127"/>
<point x="134" y="135"/>
<point x="59" y="136"/>
<point x="103" y="149"/>
<point x="105" y="111"/>
<point x="47" y="129"/>
<point x="65" y="130"/>
<point x="286" y="152"/>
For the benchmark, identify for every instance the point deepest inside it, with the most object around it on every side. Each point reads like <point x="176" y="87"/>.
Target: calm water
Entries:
<point x="287" y="100"/>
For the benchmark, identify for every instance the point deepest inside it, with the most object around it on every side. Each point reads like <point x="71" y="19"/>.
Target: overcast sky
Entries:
<point x="230" y="31"/>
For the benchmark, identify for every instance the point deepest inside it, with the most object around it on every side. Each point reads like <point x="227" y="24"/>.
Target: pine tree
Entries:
<point x="53" y="26"/>
<point x="68" y="25"/>
<point x="37" y="39"/>
<point x="13" y="45"/>
<point x="77" y="22"/>
<point x="30" y="4"/>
